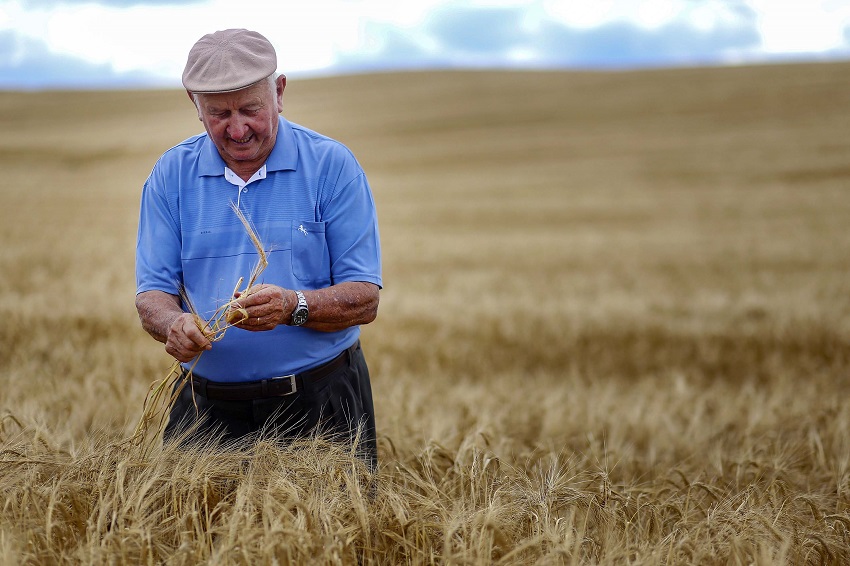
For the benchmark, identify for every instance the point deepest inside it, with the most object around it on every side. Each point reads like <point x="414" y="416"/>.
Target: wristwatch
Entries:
<point x="299" y="315"/>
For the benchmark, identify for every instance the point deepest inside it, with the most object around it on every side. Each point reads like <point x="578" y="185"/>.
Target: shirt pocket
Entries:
<point x="311" y="261"/>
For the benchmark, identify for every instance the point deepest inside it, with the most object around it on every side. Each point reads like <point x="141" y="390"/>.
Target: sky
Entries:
<point x="143" y="43"/>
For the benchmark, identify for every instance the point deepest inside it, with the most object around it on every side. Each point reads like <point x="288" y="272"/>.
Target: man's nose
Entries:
<point x="237" y="128"/>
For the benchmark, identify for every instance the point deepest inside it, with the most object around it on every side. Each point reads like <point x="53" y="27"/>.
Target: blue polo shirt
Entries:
<point x="314" y="214"/>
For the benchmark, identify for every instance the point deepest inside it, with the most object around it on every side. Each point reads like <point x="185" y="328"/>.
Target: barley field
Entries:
<point x="615" y="329"/>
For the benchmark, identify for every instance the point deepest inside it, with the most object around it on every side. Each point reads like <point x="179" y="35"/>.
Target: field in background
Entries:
<point x="615" y="328"/>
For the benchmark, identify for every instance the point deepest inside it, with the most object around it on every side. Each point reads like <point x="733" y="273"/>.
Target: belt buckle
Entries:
<point x="293" y="385"/>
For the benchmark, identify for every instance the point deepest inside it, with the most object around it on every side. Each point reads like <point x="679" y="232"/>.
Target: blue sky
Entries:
<point x="143" y="43"/>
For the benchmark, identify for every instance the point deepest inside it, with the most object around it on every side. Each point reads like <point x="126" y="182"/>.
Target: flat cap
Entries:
<point x="228" y="60"/>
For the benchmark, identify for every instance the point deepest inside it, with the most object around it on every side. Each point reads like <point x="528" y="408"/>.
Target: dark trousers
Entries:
<point x="337" y="405"/>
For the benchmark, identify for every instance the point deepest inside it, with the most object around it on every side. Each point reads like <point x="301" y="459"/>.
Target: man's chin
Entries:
<point x="245" y="154"/>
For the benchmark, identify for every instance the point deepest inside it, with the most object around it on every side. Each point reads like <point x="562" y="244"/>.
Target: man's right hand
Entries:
<point x="185" y="340"/>
<point x="163" y="318"/>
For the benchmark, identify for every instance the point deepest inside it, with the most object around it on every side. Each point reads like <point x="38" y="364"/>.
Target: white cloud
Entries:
<point x="152" y="37"/>
<point x="656" y="13"/>
<point x="590" y="14"/>
<point x="156" y="38"/>
<point x="801" y="27"/>
<point x="580" y="15"/>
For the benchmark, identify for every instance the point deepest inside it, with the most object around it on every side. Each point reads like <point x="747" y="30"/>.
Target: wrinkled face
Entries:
<point x="243" y="124"/>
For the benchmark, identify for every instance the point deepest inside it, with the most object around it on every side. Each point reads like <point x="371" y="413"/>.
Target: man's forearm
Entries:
<point x="157" y="312"/>
<point x="334" y="308"/>
<point x="342" y="305"/>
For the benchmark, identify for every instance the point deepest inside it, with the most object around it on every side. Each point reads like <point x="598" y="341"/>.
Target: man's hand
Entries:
<point x="185" y="340"/>
<point x="164" y="319"/>
<point x="266" y="306"/>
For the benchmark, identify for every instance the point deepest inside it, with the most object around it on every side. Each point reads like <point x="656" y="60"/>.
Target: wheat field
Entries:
<point x="615" y="329"/>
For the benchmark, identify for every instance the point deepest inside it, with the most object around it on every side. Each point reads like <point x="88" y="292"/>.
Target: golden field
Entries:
<point x="615" y="329"/>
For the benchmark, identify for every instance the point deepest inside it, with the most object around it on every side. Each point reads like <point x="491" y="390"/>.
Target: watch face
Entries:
<point x="299" y="317"/>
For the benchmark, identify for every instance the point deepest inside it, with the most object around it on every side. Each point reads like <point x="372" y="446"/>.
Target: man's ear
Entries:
<point x="195" y="103"/>
<point x="280" y="84"/>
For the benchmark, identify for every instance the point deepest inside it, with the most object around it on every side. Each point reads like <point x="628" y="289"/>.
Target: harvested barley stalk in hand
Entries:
<point x="157" y="405"/>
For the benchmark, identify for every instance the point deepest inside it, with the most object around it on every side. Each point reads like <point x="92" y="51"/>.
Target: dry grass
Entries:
<point x="614" y="330"/>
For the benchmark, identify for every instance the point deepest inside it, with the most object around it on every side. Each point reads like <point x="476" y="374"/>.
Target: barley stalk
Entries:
<point x="158" y="402"/>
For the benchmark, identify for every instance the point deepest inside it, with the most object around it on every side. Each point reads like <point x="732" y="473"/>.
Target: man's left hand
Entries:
<point x="266" y="305"/>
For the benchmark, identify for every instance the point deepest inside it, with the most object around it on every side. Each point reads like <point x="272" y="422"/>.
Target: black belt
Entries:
<point x="271" y="387"/>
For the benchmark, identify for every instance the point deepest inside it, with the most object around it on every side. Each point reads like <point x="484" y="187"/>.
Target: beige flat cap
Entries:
<point x="228" y="60"/>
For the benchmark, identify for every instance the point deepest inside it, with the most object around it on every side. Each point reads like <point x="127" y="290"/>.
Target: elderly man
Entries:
<point x="293" y="365"/>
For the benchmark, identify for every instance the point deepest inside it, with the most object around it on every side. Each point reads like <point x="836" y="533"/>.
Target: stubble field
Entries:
<point x="615" y="329"/>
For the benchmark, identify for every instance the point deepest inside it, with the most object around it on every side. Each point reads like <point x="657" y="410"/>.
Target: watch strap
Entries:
<point x="300" y="313"/>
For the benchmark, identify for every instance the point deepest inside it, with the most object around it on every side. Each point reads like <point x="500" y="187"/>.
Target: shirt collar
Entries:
<point x="231" y="177"/>
<point x="284" y="155"/>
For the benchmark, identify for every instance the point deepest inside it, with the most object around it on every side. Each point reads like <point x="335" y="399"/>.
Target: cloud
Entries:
<point x="93" y="43"/>
<point x="498" y="33"/>
<point x="28" y="64"/>
<point x="388" y="48"/>
<point x="108" y="3"/>
<point x="620" y="44"/>
<point x="499" y="37"/>
<point x="483" y="30"/>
